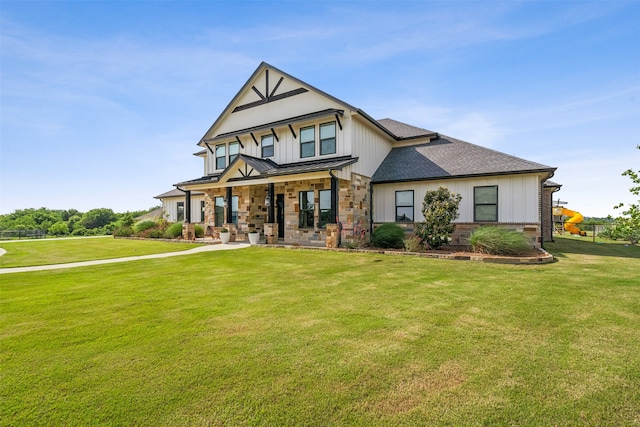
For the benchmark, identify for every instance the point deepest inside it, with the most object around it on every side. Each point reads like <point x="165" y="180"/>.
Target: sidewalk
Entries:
<point x="206" y="248"/>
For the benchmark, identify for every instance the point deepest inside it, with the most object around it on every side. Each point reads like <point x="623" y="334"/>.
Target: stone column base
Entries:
<point x="233" y="230"/>
<point x="333" y="234"/>
<point x="271" y="233"/>
<point x="188" y="231"/>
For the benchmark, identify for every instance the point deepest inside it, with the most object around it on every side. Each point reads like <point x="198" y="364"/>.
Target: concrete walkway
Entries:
<point x="206" y="248"/>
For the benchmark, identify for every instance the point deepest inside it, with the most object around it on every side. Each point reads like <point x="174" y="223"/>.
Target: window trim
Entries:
<point x="218" y="222"/>
<point x="232" y="157"/>
<point x="412" y="205"/>
<point x="223" y="157"/>
<point x="301" y="210"/>
<point x="263" y="146"/>
<point x="180" y="212"/>
<point x="311" y="142"/>
<point x="476" y="204"/>
<point x="202" y="215"/>
<point x="321" y="209"/>
<point x="335" y="138"/>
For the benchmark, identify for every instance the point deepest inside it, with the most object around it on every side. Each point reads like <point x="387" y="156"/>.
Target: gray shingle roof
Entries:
<point x="267" y="168"/>
<point x="403" y="130"/>
<point x="448" y="157"/>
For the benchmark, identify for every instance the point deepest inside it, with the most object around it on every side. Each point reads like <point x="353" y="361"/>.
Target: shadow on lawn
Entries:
<point x="563" y="246"/>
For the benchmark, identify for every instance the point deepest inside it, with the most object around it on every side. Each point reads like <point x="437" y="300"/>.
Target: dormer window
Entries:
<point x="308" y="141"/>
<point x="267" y="146"/>
<point x="221" y="156"/>
<point x="328" y="138"/>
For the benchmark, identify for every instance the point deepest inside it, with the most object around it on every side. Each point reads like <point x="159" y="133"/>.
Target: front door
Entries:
<point x="280" y="215"/>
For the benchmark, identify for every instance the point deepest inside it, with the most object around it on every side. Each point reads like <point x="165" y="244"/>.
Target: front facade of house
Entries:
<point x="292" y="162"/>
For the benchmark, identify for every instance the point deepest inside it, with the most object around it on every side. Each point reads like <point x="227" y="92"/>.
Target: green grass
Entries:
<point x="23" y="253"/>
<point x="270" y="337"/>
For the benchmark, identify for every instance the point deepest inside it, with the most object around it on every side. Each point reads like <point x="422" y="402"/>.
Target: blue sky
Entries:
<point x="102" y="103"/>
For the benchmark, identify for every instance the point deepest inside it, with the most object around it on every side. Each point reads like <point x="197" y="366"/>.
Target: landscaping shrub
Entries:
<point x="144" y="225"/>
<point x="388" y="235"/>
<point x="173" y="231"/>
<point x="439" y="208"/>
<point x="499" y="241"/>
<point x="199" y="230"/>
<point x="413" y="244"/>
<point x="123" y="231"/>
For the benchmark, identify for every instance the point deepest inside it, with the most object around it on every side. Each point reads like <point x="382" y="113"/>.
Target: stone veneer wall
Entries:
<point x="463" y="231"/>
<point x="353" y="208"/>
<point x="547" y="214"/>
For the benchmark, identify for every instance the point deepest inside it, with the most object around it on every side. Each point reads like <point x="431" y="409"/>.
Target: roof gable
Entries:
<point x="267" y="88"/>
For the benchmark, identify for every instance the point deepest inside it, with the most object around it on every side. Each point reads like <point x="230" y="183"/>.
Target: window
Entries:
<point x="328" y="138"/>
<point x="221" y="156"/>
<point x="308" y="141"/>
<point x="219" y="212"/>
<point x="234" y="210"/>
<point x="485" y="203"/>
<point x="325" y="208"/>
<point x="180" y="212"/>
<point x="404" y="206"/>
<point x="306" y="209"/>
<point x="233" y="151"/>
<point x="202" y="211"/>
<point x="267" y="146"/>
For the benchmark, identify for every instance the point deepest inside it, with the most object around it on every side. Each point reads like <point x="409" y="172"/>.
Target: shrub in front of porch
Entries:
<point x="388" y="235"/>
<point x="440" y="209"/>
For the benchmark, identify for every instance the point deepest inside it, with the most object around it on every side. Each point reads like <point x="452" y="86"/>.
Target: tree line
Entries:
<point x="64" y="222"/>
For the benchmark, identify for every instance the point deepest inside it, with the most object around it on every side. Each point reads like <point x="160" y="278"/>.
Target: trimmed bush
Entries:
<point x="173" y="231"/>
<point x="199" y="230"/>
<point x="144" y="225"/>
<point x="123" y="231"/>
<point x="388" y="235"/>
<point x="499" y="241"/>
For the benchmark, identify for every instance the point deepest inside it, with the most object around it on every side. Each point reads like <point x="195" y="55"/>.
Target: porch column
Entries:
<point x="188" y="229"/>
<point x="229" y="213"/>
<point x="187" y="206"/>
<point x="272" y="201"/>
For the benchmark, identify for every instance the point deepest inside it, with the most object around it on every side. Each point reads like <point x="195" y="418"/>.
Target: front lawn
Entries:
<point x="24" y="253"/>
<point x="271" y="337"/>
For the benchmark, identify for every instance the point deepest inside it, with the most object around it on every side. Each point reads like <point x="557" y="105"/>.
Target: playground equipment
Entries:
<point x="570" y="223"/>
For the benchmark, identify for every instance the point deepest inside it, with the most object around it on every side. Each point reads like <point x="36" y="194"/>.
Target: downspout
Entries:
<point x="542" y="221"/>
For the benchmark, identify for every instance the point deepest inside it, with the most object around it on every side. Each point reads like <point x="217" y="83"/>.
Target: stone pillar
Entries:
<point x="233" y="231"/>
<point x="188" y="231"/>
<point x="271" y="233"/>
<point x="333" y="234"/>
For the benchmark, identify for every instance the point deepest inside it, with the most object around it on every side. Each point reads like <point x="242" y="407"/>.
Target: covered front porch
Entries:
<point x="314" y="207"/>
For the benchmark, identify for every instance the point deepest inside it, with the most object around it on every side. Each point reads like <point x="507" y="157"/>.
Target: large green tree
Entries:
<point x="628" y="224"/>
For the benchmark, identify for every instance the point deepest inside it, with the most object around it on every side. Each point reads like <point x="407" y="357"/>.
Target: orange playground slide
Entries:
<point x="574" y="218"/>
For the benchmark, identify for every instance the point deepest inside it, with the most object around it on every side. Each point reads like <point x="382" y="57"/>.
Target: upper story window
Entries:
<point x="234" y="150"/>
<point x="308" y="141"/>
<point x="221" y="156"/>
<point x="485" y="203"/>
<point x="267" y="146"/>
<point x="404" y="206"/>
<point x="328" y="138"/>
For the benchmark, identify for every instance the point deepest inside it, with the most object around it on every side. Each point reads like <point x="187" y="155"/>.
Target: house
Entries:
<point x="173" y="206"/>
<point x="302" y="166"/>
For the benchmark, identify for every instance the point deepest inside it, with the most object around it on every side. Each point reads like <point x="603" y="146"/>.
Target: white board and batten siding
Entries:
<point x="170" y="208"/>
<point x="518" y="197"/>
<point x="370" y="146"/>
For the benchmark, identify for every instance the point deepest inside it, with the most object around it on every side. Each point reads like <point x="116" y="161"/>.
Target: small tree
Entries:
<point x="628" y="226"/>
<point x="439" y="208"/>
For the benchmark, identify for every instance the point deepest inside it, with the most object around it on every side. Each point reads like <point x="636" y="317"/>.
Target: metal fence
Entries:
<point x="22" y="234"/>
